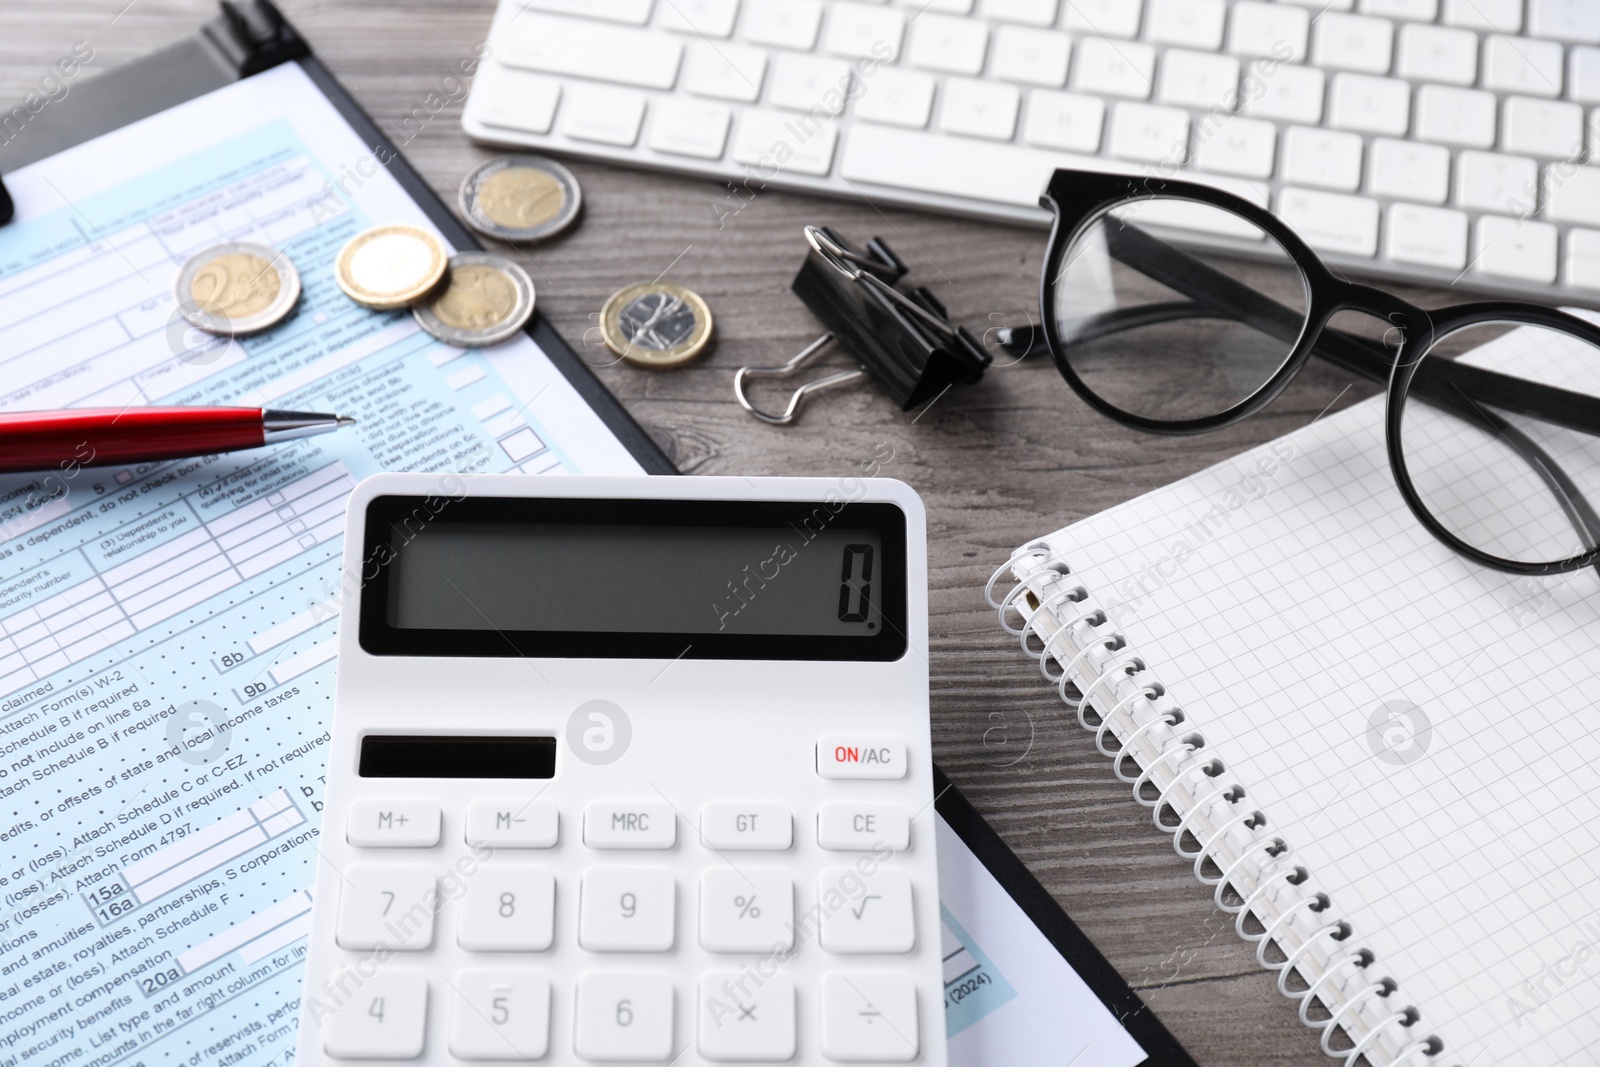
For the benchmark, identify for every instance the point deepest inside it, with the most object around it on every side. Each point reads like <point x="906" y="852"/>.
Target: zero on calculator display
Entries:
<point x="642" y="578"/>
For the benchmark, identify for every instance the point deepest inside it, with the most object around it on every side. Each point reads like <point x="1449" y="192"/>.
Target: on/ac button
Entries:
<point x="861" y="756"/>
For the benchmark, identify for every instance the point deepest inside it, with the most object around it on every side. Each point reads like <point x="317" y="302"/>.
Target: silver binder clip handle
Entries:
<point x="800" y="395"/>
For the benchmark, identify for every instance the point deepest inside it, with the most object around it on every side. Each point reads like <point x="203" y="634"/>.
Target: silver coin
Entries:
<point x="237" y="287"/>
<point x="484" y="300"/>
<point x="520" y="199"/>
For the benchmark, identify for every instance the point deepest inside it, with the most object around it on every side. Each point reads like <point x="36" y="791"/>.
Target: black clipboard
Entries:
<point x="247" y="37"/>
<point x="250" y="36"/>
<point x="1160" y="1047"/>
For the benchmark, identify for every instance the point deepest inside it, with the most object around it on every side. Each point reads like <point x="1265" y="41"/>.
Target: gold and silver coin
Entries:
<point x="656" y="324"/>
<point x="237" y="288"/>
<point x="521" y="199"/>
<point x="484" y="300"/>
<point x="389" y="267"/>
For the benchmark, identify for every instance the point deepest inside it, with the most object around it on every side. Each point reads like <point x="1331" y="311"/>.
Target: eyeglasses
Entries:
<point x="1491" y="459"/>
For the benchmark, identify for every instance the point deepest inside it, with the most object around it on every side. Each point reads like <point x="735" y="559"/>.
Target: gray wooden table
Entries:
<point x="1017" y="456"/>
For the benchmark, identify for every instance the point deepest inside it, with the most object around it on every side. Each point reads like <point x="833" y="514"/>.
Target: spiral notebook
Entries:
<point x="1391" y="753"/>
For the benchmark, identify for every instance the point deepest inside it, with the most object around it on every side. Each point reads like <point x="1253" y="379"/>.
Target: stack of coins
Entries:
<point x="471" y="299"/>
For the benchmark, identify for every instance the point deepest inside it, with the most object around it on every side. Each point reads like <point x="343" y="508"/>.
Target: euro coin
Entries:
<point x="520" y="199"/>
<point x="236" y="288"/>
<point x="390" y="267"/>
<point x="656" y="324"/>
<point x="485" y="300"/>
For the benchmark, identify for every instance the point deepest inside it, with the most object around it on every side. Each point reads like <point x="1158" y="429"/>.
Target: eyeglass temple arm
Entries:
<point x="1226" y="297"/>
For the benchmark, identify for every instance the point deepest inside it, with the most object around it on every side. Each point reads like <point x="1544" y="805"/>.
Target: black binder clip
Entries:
<point x="903" y="338"/>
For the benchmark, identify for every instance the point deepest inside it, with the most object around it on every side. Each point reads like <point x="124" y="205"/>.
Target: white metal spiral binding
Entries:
<point x="1038" y="567"/>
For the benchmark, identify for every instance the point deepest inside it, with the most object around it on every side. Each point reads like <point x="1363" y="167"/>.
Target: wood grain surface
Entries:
<point x="1013" y="457"/>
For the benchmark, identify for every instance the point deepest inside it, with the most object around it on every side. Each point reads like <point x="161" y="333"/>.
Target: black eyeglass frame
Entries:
<point x="1076" y="199"/>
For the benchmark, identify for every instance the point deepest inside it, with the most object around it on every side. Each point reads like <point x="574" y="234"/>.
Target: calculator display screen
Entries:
<point x="601" y="578"/>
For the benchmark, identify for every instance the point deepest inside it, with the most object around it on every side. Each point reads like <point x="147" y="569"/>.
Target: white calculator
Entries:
<point x="629" y="770"/>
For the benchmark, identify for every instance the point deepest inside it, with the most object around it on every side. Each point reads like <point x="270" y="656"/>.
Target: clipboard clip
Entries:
<point x="901" y="337"/>
<point x="254" y="36"/>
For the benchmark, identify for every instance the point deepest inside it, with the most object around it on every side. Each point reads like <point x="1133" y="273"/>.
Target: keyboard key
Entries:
<point x="627" y="909"/>
<point x="603" y="115"/>
<point x="1583" y="258"/>
<point x="393" y="823"/>
<point x="1331" y="222"/>
<point x="806" y="82"/>
<point x="1102" y="18"/>
<point x="1565" y="20"/>
<point x="700" y="18"/>
<point x="725" y="71"/>
<point x="1189" y="23"/>
<point x="693" y="128"/>
<point x="800" y="144"/>
<point x="500" y="1015"/>
<point x="623" y="1017"/>
<point x="750" y="909"/>
<point x="1406" y="170"/>
<point x="979" y="109"/>
<point x="1238" y="146"/>
<point x="385" y="1018"/>
<point x="1584" y="75"/>
<point x="1148" y="133"/>
<point x="1427" y="236"/>
<point x="1438" y="54"/>
<point x="1511" y="248"/>
<point x="1502" y="15"/>
<point x="1115" y="68"/>
<point x="744" y="1020"/>
<point x="1522" y="66"/>
<point x="1193" y="79"/>
<point x="1069" y="121"/>
<point x="630" y="824"/>
<point x="745" y="826"/>
<point x="1371" y="105"/>
<point x="1027" y="12"/>
<point x="865" y="755"/>
<point x="852" y="826"/>
<point x="870" y="913"/>
<point x="1327" y="159"/>
<point x="513" y="823"/>
<point x="1490" y="181"/>
<point x="783" y="23"/>
<point x="1547" y="128"/>
<point x="516" y="99"/>
<point x="1572" y="194"/>
<point x="1463" y="117"/>
<point x="1259" y="29"/>
<point x="385" y="905"/>
<point x="863" y="30"/>
<point x="1287" y="92"/>
<point x="939" y="42"/>
<point x="508" y="909"/>
<point x="592" y="50"/>
<point x="930" y="163"/>
<point x="636" y="12"/>
<point x="1416" y="10"/>
<point x="1037" y="57"/>
<point x="1352" y="42"/>
<point x="869" y="1018"/>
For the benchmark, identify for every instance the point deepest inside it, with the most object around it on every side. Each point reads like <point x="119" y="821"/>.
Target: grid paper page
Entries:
<point x="1421" y="730"/>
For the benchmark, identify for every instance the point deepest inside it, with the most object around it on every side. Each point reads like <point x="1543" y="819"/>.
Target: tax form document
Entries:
<point x="167" y="631"/>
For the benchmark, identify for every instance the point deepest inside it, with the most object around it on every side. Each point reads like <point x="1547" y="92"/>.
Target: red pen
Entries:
<point x="97" y="437"/>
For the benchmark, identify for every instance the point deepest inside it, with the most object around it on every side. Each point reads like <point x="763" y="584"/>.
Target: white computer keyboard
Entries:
<point x="1430" y="140"/>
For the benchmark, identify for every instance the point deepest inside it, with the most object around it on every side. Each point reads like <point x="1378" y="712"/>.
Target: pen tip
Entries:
<point x="345" y="420"/>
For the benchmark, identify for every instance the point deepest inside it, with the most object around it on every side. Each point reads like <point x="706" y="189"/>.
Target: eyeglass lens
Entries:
<point x="1516" y="487"/>
<point x="1170" y="333"/>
